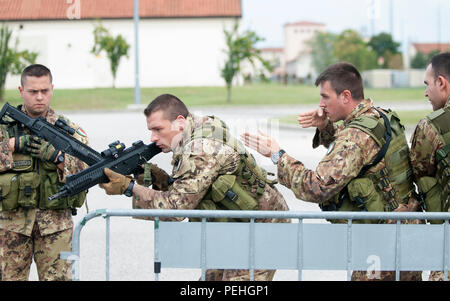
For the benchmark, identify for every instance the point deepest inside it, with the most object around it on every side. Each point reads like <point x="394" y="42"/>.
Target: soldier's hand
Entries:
<point x="20" y="143"/>
<point x="160" y="178"/>
<point x="41" y="149"/>
<point x="315" y="118"/>
<point x="261" y="142"/>
<point x="155" y="176"/>
<point x="117" y="183"/>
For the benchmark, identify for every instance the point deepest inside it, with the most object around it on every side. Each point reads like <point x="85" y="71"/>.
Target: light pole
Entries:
<point x="137" y="89"/>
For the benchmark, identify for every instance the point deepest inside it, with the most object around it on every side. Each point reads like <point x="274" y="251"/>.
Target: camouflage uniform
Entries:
<point x="425" y="142"/>
<point x="196" y="165"/>
<point x="25" y="233"/>
<point x="349" y="149"/>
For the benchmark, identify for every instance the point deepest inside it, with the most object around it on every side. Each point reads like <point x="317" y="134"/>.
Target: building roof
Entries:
<point x="426" y="48"/>
<point x="304" y="23"/>
<point x="271" y="49"/>
<point x="116" y="9"/>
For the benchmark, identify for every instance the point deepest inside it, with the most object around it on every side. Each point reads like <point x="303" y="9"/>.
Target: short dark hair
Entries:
<point x="343" y="76"/>
<point x="35" y="70"/>
<point x="441" y="65"/>
<point x="169" y="104"/>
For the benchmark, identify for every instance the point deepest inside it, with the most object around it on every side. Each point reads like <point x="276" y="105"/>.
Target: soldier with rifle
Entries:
<point x="31" y="170"/>
<point x="211" y="170"/>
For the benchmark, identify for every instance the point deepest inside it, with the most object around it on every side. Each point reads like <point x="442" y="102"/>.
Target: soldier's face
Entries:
<point x="434" y="90"/>
<point x="165" y="133"/>
<point x="331" y="103"/>
<point x="37" y="94"/>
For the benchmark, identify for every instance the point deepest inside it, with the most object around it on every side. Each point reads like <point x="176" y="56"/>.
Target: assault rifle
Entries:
<point x="59" y="135"/>
<point x="117" y="158"/>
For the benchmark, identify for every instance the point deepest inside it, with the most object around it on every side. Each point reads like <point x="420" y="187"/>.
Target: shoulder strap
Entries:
<point x="384" y="148"/>
<point x="441" y="120"/>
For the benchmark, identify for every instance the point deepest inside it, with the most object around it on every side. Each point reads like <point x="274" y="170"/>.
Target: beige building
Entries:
<point x="181" y="42"/>
<point x="296" y="37"/>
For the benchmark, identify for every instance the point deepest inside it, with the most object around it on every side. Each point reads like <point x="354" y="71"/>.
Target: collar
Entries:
<point x="192" y="122"/>
<point x="51" y="115"/>
<point x="364" y="106"/>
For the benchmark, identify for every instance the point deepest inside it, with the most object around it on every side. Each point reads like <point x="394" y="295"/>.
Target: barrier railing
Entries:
<point x="297" y="245"/>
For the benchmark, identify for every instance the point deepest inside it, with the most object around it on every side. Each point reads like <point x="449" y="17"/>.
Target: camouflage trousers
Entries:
<point x="386" y="276"/>
<point x="238" y="275"/>
<point x="437" y="276"/>
<point x="17" y="251"/>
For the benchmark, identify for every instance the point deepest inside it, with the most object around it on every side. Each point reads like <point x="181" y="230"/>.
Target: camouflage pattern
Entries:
<point x="349" y="149"/>
<point x="238" y="275"/>
<point x="35" y="223"/>
<point x="18" y="251"/>
<point x="386" y="276"/>
<point x="425" y="142"/>
<point x="196" y="165"/>
<point x="437" y="276"/>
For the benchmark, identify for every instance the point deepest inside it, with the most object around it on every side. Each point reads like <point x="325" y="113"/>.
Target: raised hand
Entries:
<point x="261" y="142"/>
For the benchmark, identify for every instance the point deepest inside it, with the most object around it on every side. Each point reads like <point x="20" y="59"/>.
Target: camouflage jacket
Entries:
<point x="424" y="143"/>
<point x="349" y="149"/>
<point x="196" y="165"/>
<point x="48" y="221"/>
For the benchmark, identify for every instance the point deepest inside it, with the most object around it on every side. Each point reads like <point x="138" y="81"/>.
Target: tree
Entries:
<point x="350" y="47"/>
<point x="322" y="50"/>
<point x="240" y="47"/>
<point x="421" y="60"/>
<point x="385" y="47"/>
<point x="11" y="60"/>
<point x="115" y="48"/>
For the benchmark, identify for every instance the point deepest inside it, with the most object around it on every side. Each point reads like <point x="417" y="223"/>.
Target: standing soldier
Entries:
<point x="353" y="175"/>
<point x="430" y="143"/>
<point x="211" y="170"/>
<point x="31" y="170"/>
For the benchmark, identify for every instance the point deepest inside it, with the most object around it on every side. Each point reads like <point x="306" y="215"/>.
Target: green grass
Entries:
<point x="256" y="94"/>
<point x="406" y="117"/>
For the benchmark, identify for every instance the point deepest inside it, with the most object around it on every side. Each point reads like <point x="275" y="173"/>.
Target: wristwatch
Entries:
<point x="60" y="159"/>
<point x="275" y="157"/>
<point x="129" y="191"/>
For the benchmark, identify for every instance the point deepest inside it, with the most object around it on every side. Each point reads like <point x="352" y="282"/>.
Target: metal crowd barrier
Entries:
<point x="294" y="246"/>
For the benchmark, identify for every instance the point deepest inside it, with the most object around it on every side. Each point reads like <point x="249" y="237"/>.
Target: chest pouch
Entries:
<point x="9" y="191"/>
<point x="50" y="186"/>
<point x="227" y="191"/>
<point x="364" y="195"/>
<point x="28" y="189"/>
<point x="430" y="191"/>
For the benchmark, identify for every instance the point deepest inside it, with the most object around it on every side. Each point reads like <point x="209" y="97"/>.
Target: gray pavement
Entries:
<point x="131" y="239"/>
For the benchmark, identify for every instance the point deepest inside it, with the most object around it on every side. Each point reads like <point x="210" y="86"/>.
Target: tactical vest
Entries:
<point x="31" y="181"/>
<point x="434" y="191"/>
<point x="385" y="189"/>
<point x="240" y="190"/>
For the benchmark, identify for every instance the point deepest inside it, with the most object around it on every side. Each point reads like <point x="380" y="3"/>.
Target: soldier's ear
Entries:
<point x="180" y="122"/>
<point x="346" y="96"/>
<point x="442" y="82"/>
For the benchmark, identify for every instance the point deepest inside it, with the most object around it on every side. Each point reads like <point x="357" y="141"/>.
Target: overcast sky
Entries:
<point x="414" y="20"/>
